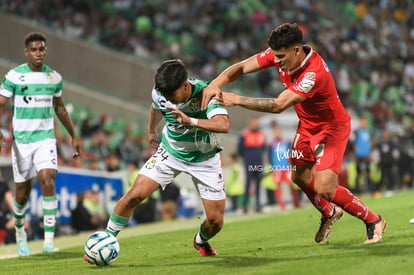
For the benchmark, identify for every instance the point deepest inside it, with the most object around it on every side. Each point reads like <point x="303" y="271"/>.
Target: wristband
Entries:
<point x="193" y="121"/>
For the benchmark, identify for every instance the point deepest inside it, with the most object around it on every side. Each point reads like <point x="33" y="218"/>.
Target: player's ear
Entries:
<point x="297" y="50"/>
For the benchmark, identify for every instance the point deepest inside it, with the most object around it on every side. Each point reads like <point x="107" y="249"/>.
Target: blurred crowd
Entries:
<point x="368" y="45"/>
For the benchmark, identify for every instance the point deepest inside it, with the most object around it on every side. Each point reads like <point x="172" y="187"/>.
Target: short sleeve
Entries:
<point x="266" y="58"/>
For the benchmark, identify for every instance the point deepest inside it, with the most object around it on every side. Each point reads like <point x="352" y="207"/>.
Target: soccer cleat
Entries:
<point x="205" y="249"/>
<point x="326" y="225"/>
<point x="412" y="221"/>
<point x="22" y="247"/>
<point x="86" y="258"/>
<point x="375" y="230"/>
<point x="48" y="247"/>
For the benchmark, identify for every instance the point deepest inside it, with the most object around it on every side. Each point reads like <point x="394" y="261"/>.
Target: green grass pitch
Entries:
<point x="275" y="243"/>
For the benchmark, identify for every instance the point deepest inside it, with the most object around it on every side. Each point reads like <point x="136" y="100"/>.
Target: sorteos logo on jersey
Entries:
<point x="28" y="99"/>
<point x="42" y="99"/>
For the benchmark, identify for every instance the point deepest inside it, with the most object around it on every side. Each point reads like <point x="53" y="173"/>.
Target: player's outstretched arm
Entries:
<point x="268" y="105"/>
<point x="229" y="75"/>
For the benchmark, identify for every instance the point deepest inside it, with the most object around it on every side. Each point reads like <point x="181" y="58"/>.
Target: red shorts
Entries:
<point x="325" y="148"/>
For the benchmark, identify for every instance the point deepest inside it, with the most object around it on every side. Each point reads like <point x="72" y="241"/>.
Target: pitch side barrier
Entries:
<point x="71" y="182"/>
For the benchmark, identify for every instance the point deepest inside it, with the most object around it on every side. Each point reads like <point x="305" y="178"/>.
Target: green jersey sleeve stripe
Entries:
<point x="5" y="92"/>
<point x="8" y="85"/>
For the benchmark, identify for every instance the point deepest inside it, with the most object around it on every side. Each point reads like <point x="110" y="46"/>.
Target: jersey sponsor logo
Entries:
<point x="205" y="189"/>
<point x="309" y="75"/>
<point x="24" y="88"/>
<point x="43" y="99"/>
<point x="305" y="85"/>
<point x="27" y="99"/>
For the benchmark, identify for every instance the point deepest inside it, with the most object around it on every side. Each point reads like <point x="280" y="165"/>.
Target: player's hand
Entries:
<point x="179" y="116"/>
<point x="208" y="93"/>
<point x="229" y="99"/>
<point x="78" y="148"/>
<point x="153" y="139"/>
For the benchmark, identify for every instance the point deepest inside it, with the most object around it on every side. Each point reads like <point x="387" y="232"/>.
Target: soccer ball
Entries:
<point x="101" y="248"/>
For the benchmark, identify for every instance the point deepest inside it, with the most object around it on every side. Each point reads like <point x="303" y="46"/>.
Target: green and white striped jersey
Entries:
<point x="32" y="93"/>
<point x="188" y="142"/>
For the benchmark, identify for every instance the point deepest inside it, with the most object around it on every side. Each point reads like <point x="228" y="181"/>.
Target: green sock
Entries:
<point x="116" y="224"/>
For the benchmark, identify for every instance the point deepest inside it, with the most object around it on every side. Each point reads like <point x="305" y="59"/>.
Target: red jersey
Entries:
<point x="312" y="79"/>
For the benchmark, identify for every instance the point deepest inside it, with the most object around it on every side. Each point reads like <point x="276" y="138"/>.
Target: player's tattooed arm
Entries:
<point x="267" y="105"/>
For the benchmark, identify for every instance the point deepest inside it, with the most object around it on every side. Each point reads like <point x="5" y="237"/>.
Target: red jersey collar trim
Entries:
<point x="308" y="56"/>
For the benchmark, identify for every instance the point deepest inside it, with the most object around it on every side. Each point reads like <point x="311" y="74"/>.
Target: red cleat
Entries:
<point x="204" y="248"/>
<point x="86" y="258"/>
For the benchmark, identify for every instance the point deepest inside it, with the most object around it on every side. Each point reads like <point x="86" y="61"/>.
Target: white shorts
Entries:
<point x="207" y="175"/>
<point x="29" y="158"/>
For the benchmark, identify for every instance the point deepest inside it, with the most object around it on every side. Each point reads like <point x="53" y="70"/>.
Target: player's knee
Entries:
<point x="216" y="221"/>
<point x="132" y="200"/>
<point x="325" y="192"/>
<point x="298" y="180"/>
<point x="326" y="196"/>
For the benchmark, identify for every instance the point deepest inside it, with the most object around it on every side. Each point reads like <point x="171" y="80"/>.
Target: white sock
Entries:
<point x="198" y="238"/>
<point x="49" y="205"/>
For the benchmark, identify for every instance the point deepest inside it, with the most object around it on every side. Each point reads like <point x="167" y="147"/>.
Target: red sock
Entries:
<point x="295" y="196"/>
<point x="279" y="197"/>
<point x="352" y="205"/>
<point x="324" y="206"/>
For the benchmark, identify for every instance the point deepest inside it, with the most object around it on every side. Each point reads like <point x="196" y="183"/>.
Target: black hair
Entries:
<point x="170" y="76"/>
<point x="34" y="36"/>
<point x="285" y="36"/>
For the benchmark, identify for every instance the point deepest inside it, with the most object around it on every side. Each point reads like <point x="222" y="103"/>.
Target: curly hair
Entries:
<point x="285" y="36"/>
